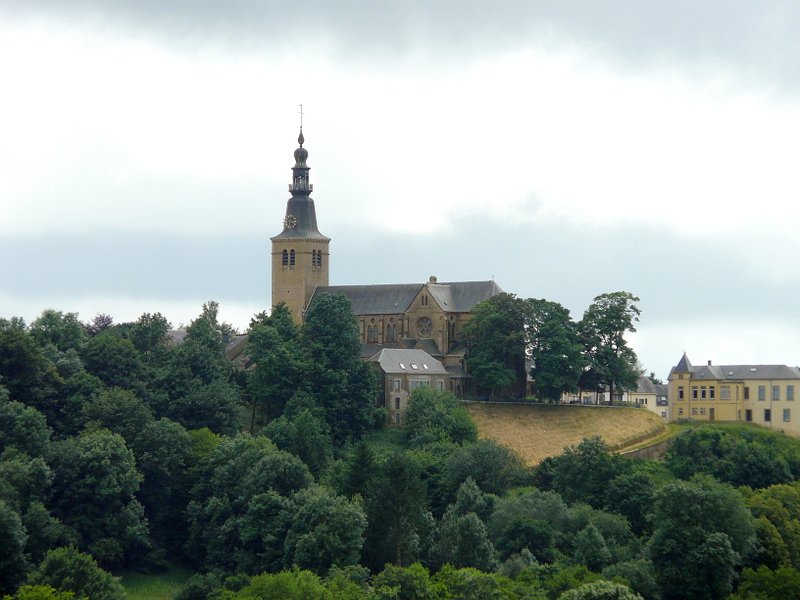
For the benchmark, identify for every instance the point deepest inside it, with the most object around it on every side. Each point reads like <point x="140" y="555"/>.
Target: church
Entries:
<point x="425" y="316"/>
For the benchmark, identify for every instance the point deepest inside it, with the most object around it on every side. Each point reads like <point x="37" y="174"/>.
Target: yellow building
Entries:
<point x="424" y="316"/>
<point x="760" y="394"/>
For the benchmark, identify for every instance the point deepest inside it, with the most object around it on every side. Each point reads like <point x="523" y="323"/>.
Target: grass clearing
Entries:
<point x="159" y="586"/>
<point x="538" y="431"/>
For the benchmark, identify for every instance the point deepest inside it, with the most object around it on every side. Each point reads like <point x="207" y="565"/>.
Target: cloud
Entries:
<point x="758" y="41"/>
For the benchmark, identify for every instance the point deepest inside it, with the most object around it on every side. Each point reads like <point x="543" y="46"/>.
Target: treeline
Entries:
<point x="565" y="355"/>
<point x="121" y="451"/>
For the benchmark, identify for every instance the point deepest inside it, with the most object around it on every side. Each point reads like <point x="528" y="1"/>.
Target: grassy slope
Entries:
<point x="163" y="586"/>
<point x="536" y="432"/>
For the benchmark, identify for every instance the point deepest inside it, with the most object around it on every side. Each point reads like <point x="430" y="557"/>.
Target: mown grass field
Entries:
<point x="538" y="431"/>
<point x="163" y="586"/>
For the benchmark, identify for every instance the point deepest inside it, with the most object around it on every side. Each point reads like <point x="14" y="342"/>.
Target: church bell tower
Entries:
<point x="300" y="251"/>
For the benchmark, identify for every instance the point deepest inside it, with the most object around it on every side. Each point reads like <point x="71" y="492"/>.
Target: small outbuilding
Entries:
<point x="401" y="372"/>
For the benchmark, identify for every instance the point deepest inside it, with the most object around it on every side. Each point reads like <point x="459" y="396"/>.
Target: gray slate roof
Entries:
<point x="645" y="386"/>
<point x="404" y="361"/>
<point x="375" y="299"/>
<point x="736" y="372"/>
<point x="383" y="299"/>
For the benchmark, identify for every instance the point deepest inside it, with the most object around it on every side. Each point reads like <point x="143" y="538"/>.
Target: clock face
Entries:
<point x="290" y="222"/>
<point x="424" y="327"/>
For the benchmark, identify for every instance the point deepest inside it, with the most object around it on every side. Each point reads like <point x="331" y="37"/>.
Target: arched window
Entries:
<point x="372" y="334"/>
<point x="291" y="257"/>
<point x="319" y="258"/>
<point x="285" y="258"/>
<point x="314" y="258"/>
<point x="391" y="332"/>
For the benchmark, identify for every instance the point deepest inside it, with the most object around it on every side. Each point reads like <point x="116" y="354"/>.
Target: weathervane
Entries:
<point x="301" y="116"/>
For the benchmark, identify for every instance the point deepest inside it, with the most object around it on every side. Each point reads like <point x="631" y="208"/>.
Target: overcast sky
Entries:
<point x="564" y="148"/>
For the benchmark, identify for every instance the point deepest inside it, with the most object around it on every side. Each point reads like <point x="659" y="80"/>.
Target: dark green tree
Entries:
<point x="497" y="343"/>
<point x="23" y="428"/>
<point x="493" y="467"/>
<point x="435" y="415"/>
<point x="344" y="385"/>
<point x="702" y="531"/>
<point x="94" y="494"/>
<point x="326" y="530"/>
<point x="277" y="370"/>
<point x="462" y="541"/>
<point x="25" y="371"/>
<point x="555" y="350"/>
<point x="603" y="327"/>
<point x="113" y="359"/>
<point x="13" y="562"/>
<point x="62" y="330"/>
<point x="400" y="525"/>
<point x="163" y="451"/>
<point x="118" y="410"/>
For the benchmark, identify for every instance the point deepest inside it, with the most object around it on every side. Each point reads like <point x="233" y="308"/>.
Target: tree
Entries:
<point x="99" y="323"/>
<point x="435" y="415"/>
<point x="493" y="467"/>
<point x="24" y="428"/>
<point x="603" y="329"/>
<point x="766" y="584"/>
<point x="13" y="563"/>
<point x="39" y="592"/>
<point x="117" y="410"/>
<point x="399" y="522"/>
<point x="215" y="405"/>
<point x="163" y="451"/>
<point x="276" y="372"/>
<point x="149" y="333"/>
<point x="239" y="513"/>
<point x="584" y="472"/>
<point x="113" y="359"/>
<point x="306" y="436"/>
<point x="25" y="371"/>
<point x="68" y="570"/>
<point x="326" y="530"/>
<point x="462" y="541"/>
<point x="343" y="384"/>
<point x="528" y="519"/>
<point x="601" y="590"/>
<point x="495" y="333"/>
<point x="702" y="531"/>
<point x="93" y="493"/>
<point x="64" y="331"/>
<point x="406" y="583"/>
<point x="555" y="349"/>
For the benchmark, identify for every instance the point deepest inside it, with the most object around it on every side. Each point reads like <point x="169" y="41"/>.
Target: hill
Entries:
<point x="538" y="431"/>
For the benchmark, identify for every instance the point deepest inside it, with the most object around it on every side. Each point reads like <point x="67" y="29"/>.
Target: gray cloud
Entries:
<point x="757" y="41"/>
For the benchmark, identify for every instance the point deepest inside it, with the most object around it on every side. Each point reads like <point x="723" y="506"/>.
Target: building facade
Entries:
<point x="417" y="316"/>
<point x="403" y="371"/>
<point x="760" y="394"/>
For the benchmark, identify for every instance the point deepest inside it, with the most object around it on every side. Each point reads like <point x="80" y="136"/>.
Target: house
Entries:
<point x="403" y="371"/>
<point x="761" y="394"/>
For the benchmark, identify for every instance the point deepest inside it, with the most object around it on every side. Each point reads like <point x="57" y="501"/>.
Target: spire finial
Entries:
<point x="300" y="138"/>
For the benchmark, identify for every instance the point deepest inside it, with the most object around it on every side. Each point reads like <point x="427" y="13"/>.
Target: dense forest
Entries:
<point x="121" y="450"/>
